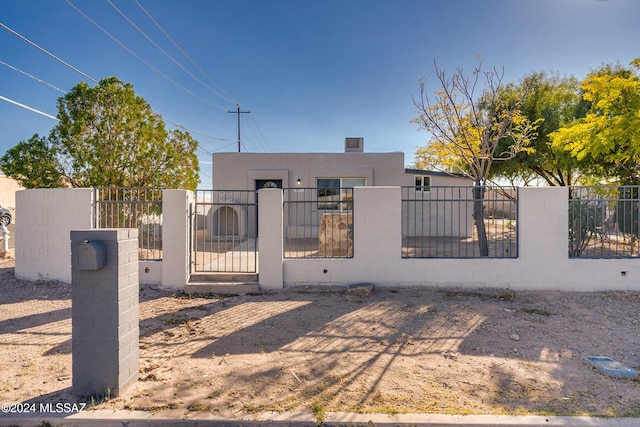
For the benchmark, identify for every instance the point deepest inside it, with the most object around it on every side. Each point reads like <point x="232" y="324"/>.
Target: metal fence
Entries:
<point x="438" y="222"/>
<point x="318" y="222"/>
<point x="603" y="222"/>
<point x="225" y="230"/>
<point x="126" y="207"/>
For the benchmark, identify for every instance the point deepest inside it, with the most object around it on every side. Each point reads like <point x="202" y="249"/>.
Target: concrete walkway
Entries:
<point x="139" y="419"/>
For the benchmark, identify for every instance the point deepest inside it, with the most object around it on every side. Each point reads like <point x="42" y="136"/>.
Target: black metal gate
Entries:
<point x="225" y="227"/>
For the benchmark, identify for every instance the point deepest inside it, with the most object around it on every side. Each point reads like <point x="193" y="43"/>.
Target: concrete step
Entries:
<point x="222" y="288"/>
<point x="223" y="277"/>
<point x="222" y="284"/>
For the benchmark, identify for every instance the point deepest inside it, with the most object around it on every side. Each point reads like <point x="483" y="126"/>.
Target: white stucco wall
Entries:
<point x="238" y="171"/>
<point x="271" y="243"/>
<point x="543" y="261"/>
<point x="8" y="189"/>
<point x="44" y="220"/>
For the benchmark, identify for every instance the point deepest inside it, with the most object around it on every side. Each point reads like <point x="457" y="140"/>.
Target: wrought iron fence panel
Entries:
<point x="131" y="207"/>
<point x="603" y="222"/>
<point x="225" y="230"/>
<point x="318" y="222"/>
<point x="439" y="222"/>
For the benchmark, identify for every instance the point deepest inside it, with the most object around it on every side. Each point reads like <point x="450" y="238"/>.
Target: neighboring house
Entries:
<point x="353" y="168"/>
<point x="8" y="188"/>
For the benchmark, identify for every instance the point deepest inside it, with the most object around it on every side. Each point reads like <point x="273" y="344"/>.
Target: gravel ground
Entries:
<point x="486" y="351"/>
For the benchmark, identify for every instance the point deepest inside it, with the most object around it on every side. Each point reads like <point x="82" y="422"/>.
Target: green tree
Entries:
<point x="607" y="139"/>
<point x="468" y="117"/>
<point x="108" y="136"/>
<point x="552" y="101"/>
<point x="33" y="164"/>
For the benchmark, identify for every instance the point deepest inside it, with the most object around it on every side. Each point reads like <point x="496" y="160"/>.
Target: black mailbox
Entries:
<point x="90" y="255"/>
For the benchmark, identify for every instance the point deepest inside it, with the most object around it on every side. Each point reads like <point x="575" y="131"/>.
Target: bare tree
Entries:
<point x="472" y="123"/>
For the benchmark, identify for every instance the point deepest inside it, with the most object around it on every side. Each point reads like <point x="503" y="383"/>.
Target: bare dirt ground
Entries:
<point x="310" y="350"/>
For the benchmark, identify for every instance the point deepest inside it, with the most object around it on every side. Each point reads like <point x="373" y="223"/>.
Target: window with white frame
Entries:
<point x="337" y="193"/>
<point x="423" y="183"/>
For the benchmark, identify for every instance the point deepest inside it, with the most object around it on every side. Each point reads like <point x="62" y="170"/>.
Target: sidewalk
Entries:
<point x="105" y="418"/>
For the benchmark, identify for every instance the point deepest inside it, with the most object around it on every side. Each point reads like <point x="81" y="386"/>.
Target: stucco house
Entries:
<point x="353" y="167"/>
<point x="328" y="176"/>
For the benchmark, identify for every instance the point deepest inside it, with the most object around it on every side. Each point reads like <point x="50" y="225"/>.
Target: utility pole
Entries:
<point x="238" y="112"/>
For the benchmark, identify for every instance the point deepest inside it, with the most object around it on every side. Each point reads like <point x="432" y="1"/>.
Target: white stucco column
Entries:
<point x="270" y="238"/>
<point x="543" y="215"/>
<point x="176" y="205"/>
<point x="377" y="221"/>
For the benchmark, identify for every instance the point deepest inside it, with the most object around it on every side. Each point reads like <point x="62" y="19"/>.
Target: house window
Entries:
<point x="337" y="193"/>
<point x="423" y="183"/>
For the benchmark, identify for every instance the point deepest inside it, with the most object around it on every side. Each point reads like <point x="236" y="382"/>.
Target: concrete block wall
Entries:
<point x="44" y="218"/>
<point x="105" y="325"/>
<point x="543" y="261"/>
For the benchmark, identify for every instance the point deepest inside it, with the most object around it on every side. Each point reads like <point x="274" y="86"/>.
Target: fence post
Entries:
<point x="175" y="238"/>
<point x="543" y="218"/>
<point x="270" y="238"/>
<point x="377" y="225"/>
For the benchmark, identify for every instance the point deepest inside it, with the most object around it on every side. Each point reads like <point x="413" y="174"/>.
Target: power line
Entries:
<point x="33" y="77"/>
<point x="85" y="75"/>
<point x="47" y="52"/>
<point x="162" y="50"/>
<point x="82" y="73"/>
<point x="193" y="131"/>
<point x="225" y="146"/>
<point x="28" y="108"/>
<point x="255" y="128"/>
<point x="138" y="57"/>
<point x="226" y="95"/>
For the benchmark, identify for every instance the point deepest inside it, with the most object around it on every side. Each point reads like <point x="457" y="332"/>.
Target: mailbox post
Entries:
<point x="105" y="325"/>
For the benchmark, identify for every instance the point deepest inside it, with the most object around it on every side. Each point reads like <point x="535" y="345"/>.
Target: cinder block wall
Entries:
<point x="105" y="315"/>
<point x="44" y="218"/>
<point x="543" y="261"/>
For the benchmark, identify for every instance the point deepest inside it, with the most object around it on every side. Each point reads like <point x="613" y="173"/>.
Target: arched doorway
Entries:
<point x="227" y="222"/>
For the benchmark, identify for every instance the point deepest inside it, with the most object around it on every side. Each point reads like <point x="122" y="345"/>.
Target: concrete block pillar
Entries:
<point x="176" y="209"/>
<point x="377" y="221"/>
<point x="270" y="238"/>
<point x="105" y="325"/>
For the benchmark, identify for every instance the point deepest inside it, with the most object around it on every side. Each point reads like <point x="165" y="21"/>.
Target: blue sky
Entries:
<point x="310" y="72"/>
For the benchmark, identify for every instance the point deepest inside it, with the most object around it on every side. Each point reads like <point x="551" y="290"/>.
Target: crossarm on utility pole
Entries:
<point x="238" y="112"/>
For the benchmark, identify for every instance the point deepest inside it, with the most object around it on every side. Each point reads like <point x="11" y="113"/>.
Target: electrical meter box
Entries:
<point x="90" y="255"/>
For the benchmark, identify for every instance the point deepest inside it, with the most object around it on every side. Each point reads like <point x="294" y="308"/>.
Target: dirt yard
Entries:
<point x="398" y="350"/>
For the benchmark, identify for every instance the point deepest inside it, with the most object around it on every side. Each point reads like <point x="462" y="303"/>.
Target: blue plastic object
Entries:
<point x="612" y="367"/>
